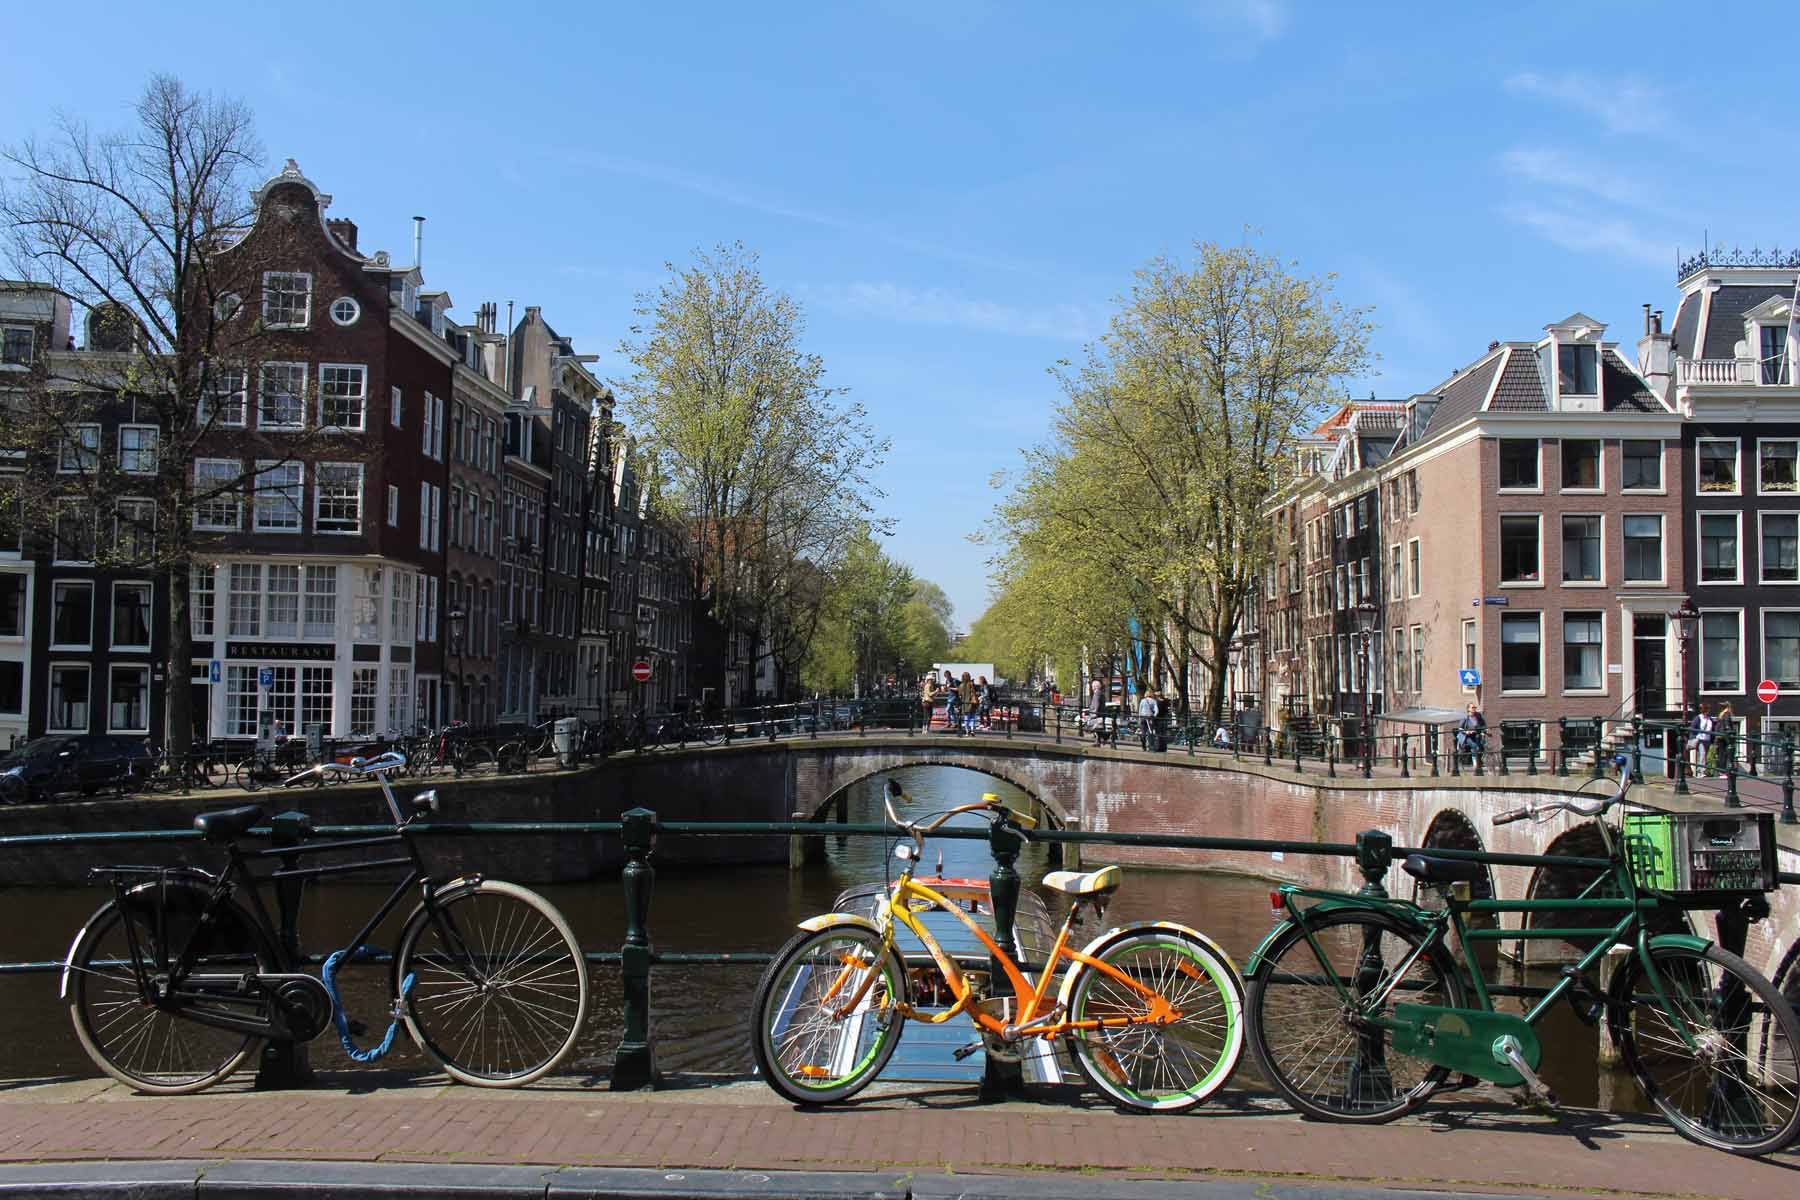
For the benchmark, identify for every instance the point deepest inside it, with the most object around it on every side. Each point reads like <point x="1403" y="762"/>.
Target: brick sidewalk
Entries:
<point x="1482" y="1147"/>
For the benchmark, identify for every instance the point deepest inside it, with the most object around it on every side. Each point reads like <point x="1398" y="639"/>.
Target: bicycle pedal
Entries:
<point x="962" y="1052"/>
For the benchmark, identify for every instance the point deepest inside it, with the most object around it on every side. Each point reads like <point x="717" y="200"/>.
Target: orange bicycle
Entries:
<point x="1153" y="1011"/>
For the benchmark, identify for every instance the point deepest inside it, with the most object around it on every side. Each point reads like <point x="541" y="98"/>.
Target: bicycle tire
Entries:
<point x="505" y="928"/>
<point x="1732" y="1096"/>
<point x="115" y="1026"/>
<point x="1374" y="1084"/>
<point x="1168" y="1067"/>
<point x="512" y="759"/>
<point x="476" y="760"/>
<point x="790" y="1030"/>
<point x="248" y="775"/>
<point x="710" y="735"/>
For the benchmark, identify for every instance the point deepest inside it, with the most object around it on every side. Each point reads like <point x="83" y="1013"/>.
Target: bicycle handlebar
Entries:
<point x="1581" y="808"/>
<point x="392" y="760"/>
<point x="990" y="804"/>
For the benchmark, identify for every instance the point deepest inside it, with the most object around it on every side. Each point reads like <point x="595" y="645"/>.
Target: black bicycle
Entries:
<point x="175" y="981"/>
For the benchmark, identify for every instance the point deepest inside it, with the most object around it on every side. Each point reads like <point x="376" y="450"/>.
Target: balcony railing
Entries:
<point x="1774" y="372"/>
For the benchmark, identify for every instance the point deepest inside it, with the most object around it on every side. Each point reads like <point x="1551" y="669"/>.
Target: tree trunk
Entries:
<point x="178" y="691"/>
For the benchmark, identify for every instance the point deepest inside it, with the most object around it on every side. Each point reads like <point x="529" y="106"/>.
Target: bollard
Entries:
<point x="1681" y="783"/>
<point x="1731" y="792"/>
<point x="287" y="1064"/>
<point x="1562" y="747"/>
<point x="634" y="1066"/>
<point x="1785" y="749"/>
<point x="1368" y="1077"/>
<point x="1330" y="756"/>
<point x="1059" y="724"/>
<point x="1003" y="888"/>
<point x="1268" y="747"/>
<point x="1531" y="753"/>
<point x="1368" y="749"/>
<point x="1431" y="749"/>
<point x="1405" y="757"/>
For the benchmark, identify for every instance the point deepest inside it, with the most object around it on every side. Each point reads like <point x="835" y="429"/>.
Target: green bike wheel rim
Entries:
<point x="1206" y="964"/>
<point x="883" y="1032"/>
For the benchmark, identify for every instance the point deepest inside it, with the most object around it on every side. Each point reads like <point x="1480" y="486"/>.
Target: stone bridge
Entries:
<point x="1079" y="786"/>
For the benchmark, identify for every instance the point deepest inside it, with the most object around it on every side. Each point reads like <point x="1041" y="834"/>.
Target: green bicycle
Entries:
<point x="1359" y="1012"/>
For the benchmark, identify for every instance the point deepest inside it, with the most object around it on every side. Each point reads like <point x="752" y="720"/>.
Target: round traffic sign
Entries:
<point x="640" y="670"/>
<point x="1766" y="691"/>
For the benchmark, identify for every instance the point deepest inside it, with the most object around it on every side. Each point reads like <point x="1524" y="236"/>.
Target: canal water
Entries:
<point x="700" y="1012"/>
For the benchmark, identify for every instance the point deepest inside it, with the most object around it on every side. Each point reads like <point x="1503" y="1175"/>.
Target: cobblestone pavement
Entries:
<point x="1484" y="1146"/>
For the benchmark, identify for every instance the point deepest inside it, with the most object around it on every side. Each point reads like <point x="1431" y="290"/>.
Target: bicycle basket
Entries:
<point x="1701" y="855"/>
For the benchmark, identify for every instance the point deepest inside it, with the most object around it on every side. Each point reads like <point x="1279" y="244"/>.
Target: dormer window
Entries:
<point x="1578" y="370"/>
<point x="1774" y="366"/>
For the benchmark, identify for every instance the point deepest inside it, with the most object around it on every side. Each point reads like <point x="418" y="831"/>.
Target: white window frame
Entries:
<point x="142" y="670"/>
<point x="355" y="311"/>
<point x="1737" y="516"/>
<point x="57" y="586"/>
<point x="237" y="471"/>
<point x="266" y="469"/>
<point x="149" y="614"/>
<point x="50" y="697"/>
<point x="86" y="458"/>
<point x="1762" y="565"/>
<point x="1599" y="489"/>
<point x="1737" y="461"/>
<point x="1764" y="441"/>
<point x="1502" y="489"/>
<point x="361" y="398"/>
<point x="1743" y="670"/>
<point x="320" y="471"/>
<point x="155" y="448"/>
<point x="305" y="320"/>
<point x="238" y="399"/>
<point x="1564" y="638"/>
<point x="56" y="540"/>
<point x="1415" y="568"/>
<point x="396" y="403"/>
<point x="203" y="581"/>
<point x="119" y="517"/>
<point x="299" y="398"/>
<point x="1762" y="645"/>
<point x="1662" y="550"/>
<point x="1418" y="660"/>
<point x="1662" y="469"/>
<point x="308" y="626"/>
<point x="1471" y="640"/>
<point x="1539" y="690"/>
<point x="1500" y="548"/>
<point x="393" y="506"/>
<point x="1562" y="563"/>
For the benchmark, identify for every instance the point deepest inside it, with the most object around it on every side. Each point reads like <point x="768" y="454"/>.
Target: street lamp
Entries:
<point x="458" y="619"/>
<point x="1365" y="630"/>
<point x="1686" y="617"/>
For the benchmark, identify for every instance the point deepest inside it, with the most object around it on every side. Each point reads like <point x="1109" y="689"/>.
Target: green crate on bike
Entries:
<point x="1702" y="855"/>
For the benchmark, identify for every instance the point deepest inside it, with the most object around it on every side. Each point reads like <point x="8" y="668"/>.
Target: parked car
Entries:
<point x="82" y="762"/>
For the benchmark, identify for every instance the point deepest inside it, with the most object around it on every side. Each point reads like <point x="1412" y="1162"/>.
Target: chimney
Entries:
<point x="418" y="242"/>
<point x="343" y="230"/>
<point x="1656" y="355"/>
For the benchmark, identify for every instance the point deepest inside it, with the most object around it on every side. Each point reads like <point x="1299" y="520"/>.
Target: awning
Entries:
<point x="1422" y="716"/>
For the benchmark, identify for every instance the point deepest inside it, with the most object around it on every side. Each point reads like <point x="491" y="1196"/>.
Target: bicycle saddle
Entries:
<point x="1103" y="882"/>
<point x="1427" y="869"/>
<point x="224" y="824"/>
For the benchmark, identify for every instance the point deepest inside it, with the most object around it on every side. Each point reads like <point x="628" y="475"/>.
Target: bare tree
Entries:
<point x="133" y="226"/>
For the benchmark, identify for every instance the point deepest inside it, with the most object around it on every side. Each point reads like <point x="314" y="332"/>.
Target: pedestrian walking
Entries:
<point x="965" y="692"/>
<point x="1700" y="737"/>
<point x="928" y="697"/>
<point x="1724" y="740"/>
<point x="952" y="704"/>
<point x="984" y="701"/>
<point x="1147" y="721"/>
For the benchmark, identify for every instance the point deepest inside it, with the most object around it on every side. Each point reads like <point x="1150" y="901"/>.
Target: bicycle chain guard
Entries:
<point x="1463" y="1039"/>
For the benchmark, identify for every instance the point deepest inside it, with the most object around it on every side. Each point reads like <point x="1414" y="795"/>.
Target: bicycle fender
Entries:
<point x="1097" y="944"/>
<point x="1323" y="906"/>
<point x="183" y="877"/>
<point x="833" y="920"/>
<point x="1680" y="941"/>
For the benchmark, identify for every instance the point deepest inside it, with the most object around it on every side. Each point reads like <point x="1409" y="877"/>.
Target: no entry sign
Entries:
<point x="1766" y="691"/>
<point x="640" y="670"/>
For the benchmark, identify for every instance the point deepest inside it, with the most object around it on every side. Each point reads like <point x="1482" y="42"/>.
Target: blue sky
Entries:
<point x="957" y="190"/>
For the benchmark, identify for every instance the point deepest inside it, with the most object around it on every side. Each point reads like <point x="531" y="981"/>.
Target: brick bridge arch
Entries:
<point x="1053" y="784"/>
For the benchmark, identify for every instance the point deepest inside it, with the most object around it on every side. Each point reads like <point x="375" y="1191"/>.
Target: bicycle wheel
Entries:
<point x="250" y="774"/>
<point x="1323" y="1056"/>
<point x="710" y="735"/>
<point x="1164" y="1067"/>
<point x="475" y="760"/>
<point x="512" y="759"/>
<point x="1737" y="1088"/>
<point x="806" y="1048"/>
<point x="500" y="987"/>
<point x="154" y="1049"/>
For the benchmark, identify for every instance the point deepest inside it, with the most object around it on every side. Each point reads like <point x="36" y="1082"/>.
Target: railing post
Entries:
<point x="1003" y="890"/>
<point x="1369" y="1077"/>
<point x="1681" y="783"/>
<point x="1330" y="755"/>
<point x="1562" y="747"/>
<point x="1637" y="748"/>
<point x="1531" y="751"/>
<point x="1731" y="777"/>
<point x="1432" y="739"/>
<point x="1268" y="746"/>
<point x="1405" y="757"/>
<point x="286" y="1064"/>
<point x="1059" y="724"/>
<point x="1298" y="769"/>
<point x="1368" y="747"/>
<point x="1786" y="750"/>
<point x="768" y="723"/>
<point x="634" y="1066"/>
<point x="1598" y="770"/>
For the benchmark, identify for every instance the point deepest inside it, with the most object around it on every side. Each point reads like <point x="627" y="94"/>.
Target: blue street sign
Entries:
<point x="265" y="676"/>
<point x="212" y="671"/>
<point x="1497" y="601"/>
<point x="1470" y="677"/>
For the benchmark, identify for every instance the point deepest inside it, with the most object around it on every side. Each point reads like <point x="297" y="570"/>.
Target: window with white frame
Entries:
<point x="281" y="396"/>
<point x="1772" y="341"/>
<point x="13" y="604"/>
<point x="321" y="602"/>
<point x="226" y="398"/>
<point x="1519" y="464"/>
<point x="1779" y="561"/>
<point x="241" y="701"/>
<point x="1521" y="652"/>
<point x="1396" y="580"/>
<point x="339" y="489"/>
<point x="282" y="695"/>
<point x="12" y="688"/>
<point x="1583" y="642"/>
<point x="134" y="530"/>
<point x="472" y="519"/>
<point x="68" y="698"/>
<point x="75" y="532"/>
<point x="1781" y="647"/>
<point x="1470" y="648"/>
<point x="395" y="407"/>
<point x="400" y="698"/>
<point x="243" y="600"/>
<point x="345" y="310"/>
<point x="282" y="618"/>
<point x="128" y="700"/>
<point x="315" y="699"/>
<point x="131" y="616"/>
<point x="137" y="449"/>
<point x="1776" y="462"/>
<point x="1716" y="465"/>
<point x="365" y="605"/>
<point x="1641" y="465"/>
<point x="286" y="299"/>
<point x="393" y="506"/>
<point x="364" y="688"/>
<point x="1580" y="464"/>
<point x="455" y="516"/>
<point x="1377" y="662"/>
<point x="71" y="614"/>
<point x="79" y="451"/>
<point x="1521" y="551"/>
<point x="432" y="428"/>
<point x="1581" y="543"/>
<point x="200" y="602"/>
<point x="1722" y="651"/>
<point x="343" y="395"/>
<point x="1643" y="548"/>
<point x="1418" y="659"/>
<point x="1578" y="370"/>
<point x="428" y="632"/>
<point x="1415" y="571"/>
<point x="279" y="488"/>
<point x="1720" y="559"/>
